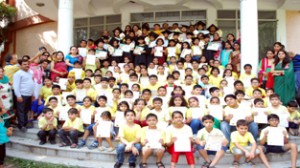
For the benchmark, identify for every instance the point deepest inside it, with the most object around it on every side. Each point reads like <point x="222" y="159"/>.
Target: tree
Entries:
<point x="7" y="13"/>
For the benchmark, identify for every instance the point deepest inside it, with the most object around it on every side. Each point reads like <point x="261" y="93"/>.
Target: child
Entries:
<point x="79" y="92"/>
<point x="87" y="111"/>
<point x="178" y="131"/>
<point x="254" y="85"/>
<point x="71" y="99"/>
<point x="196" y="113"/>
<point x="129" y="141"/>
<point x="119" y="117"/>
<point x="273" y="120"/>
<point x="141" y="111"/>
<point x="47" y="126"/>
<point x="153" y="85"/>
<point x="54" y="106"/>
<point x="247" y="75"/>
<point x="89" y="90"/>
<point x="140" y="51"/>
<point x="239" y="145"/>
<point x="79" y="72"/>
<point x="162" y="115"/>
<point x="226" y="54"/>
<point x="294" y="120"/>
<point x="188" y="84"/>
<point x="72" y="128"/>
<point x="4" y="133"/>
<point x="55" y="93"/>
<point x="196" y="92"/>
<point x="280" y="110"/>
<point x="178" y="103"/>
<point x="214" y="78"/>
<point x="105" y="116"/>
<point x="203" y="136"/>
<point x="151" y="140"/>
<point x="259" y="104"/>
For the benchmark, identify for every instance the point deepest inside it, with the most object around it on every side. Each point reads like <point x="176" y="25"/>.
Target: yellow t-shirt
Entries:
<point x="144" y="130"/>
<point x="203" y="134"/>
<point x="130" y="134"/>
<point x="59" y="99"/>
<point x="10" y="70"/>
<point x="278" y="110"/>
<point x="242" y="140"/>
<point x="43" y="122"/>
<point x="215" y="80"/>
<point x="162" y="116"/>
<point x="82" y="72"/>
<point x="249" y="91"/>
<point x="55" y="110"/>
<point x="171" y="132"/>
<point x="45" y="92"/>
<point x="76" y="124"/>
<point x="70" y="87"/>
<point x="295" y="115"/>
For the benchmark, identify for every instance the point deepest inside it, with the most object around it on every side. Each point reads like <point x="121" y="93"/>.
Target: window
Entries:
<point x="229" y="22"/>
<point x="93" y="27"/>
<point x="181" y="17"/>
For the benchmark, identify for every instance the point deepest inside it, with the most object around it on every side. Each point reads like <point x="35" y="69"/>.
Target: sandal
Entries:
<point x="235" y="163"/>
<point x="206" y="164"/>
<point x="143" y="165"/>
<point x="64" y="145"/>
<point x="250" y="163"/>
<point x="73" y="146"/>
<point x="160" y="165"/>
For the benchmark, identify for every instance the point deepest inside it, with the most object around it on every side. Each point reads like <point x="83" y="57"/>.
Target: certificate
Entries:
<point x="103" y="129"/>
<point x="125" y="48"/>
<point x="171" y="51"/>
<point x="214" y="46"/>
<point x="64" y="96"/>
<point x="137" y="50"/>
<point x="63" y="113"/>
<point x="283" y="118"/>
<point x="261" y="117"/>
<point x="237" y="116"/>
<point x="80" y="94"/>
<point x="101" y="54"/>
<point x="120" y="119"/>
<point x="246" y="103"/>
<point x="63" y="83"/>
<point x="216" y="111"/>
<point x="170" y="90"/>
<point x="275" y="136"/>
<point x="197" y="112"/>
<point x="197" y="50"/>
<point x="158" y="51"/>
<point x="182" y="144"/>
<point x="185" y="52"/>
<point x="82" y="51"/>
<point x="153" y="137"/>
<point x="78" y="73"/>
<point x="162" y="125"/>
<point x="85" y="115"/>
<point x="118" y="53"/>
<point x="152" y="44"/>
<point x="214" y="142"/>
<point x="90" y="59"/>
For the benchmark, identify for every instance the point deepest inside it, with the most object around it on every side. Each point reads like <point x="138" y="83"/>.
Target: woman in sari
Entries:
<point x="284" y="79"/>
<point x="6" y="98"/>
<point x="58" y="67"/>
<point x="265" y="76"/>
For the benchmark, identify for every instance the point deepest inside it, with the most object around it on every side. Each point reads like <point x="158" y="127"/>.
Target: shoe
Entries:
<point x="132" y="165"/>
<point x="73" y="146"/>
<point x="81" y="144"/>
<point x="101" y="148"/>
<point x="52" y="142"/>
<point x="94" y="145"/>
<point x="118" y="165"/>
<point x="42" y="142"/>
<point x="23" y="129"/>
<point x="110" y="149"/>
<point x="63" y="145"/>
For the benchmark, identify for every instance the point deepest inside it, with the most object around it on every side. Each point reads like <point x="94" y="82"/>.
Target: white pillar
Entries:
<point x="65" y="25"/>
<point x="211" y="16"/>
<point x="249" y="34"/>
<point x="281" y="26"/>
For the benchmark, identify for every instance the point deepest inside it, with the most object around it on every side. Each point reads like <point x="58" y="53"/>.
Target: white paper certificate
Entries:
<point x="182" y="144"/>
<point x="63" y="83"/>
<point x="103" y="129"/>
<point x="101" y="54"/>
<point x="153" y="137"/>
<point x="275" y="136"/>
<point x="261" y="117"/>
<point x="64" y="96"/>
<point x="118" y="53"/>
<point x="86" y="117"/>
<point x="171" y="51"/>
<point x="80" y="94"/>
<point x="125" y="48"/>
<point x="63" y="113"/>
<point x="214" y="142"/>
<point x="120" y="119"/>
<point x="197" y="112"/>
<point x="82" y="51"/>
<point x="214" y="46"/>
<point x="283" y="118"/>
<point x="158" y="51"/>
<point x="90" y="59"/>
<point x="237" y="116"/>
<point x="197" y="50"/>
<point x="78" y="73"/>
<point x="216" y="111"/>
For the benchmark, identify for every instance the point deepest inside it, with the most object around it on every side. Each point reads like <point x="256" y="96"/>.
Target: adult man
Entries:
<point x="11" y="66"/>
<point x="24" y="88"/>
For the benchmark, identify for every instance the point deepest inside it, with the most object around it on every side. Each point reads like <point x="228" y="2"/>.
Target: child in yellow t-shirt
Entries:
<point x="37" y="106"/>
<point x="72" y="129"/>
<point x="294" y="120"/>
<point x="239" y="145"/>
<point x="47" y="126"/>
<point x="129" y="140"/>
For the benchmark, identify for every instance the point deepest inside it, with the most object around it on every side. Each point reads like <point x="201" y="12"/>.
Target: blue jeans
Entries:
<point x="196" y="125"/>
<point x="297" y="79"/>
<point x="121" y="151"/>
<point x="36" y="108"/>
<point x="227" y="129"/>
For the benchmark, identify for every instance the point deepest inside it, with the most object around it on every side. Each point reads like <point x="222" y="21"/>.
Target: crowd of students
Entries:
<point x="171" y="89"/>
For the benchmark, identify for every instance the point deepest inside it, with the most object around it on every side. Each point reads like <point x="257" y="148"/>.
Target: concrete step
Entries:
<point x="97" y="164"/>
<point x="32" y="146"/>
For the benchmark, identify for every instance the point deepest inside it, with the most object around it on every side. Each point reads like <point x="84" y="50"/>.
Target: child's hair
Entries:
<point x="204" y="76"/>
<point x="238" y="82"/>
<point x="102" y="97"/>
<point x="151" y="115"/>
<point x="53" y="98"/>
<point x="257" y="90"/>
<point x="207" y="117"/>
<point x="177" y="112"/>
<point x="213" y="89"/>
<point x="78" y="81"/>
<point x="133" y="75"/>
<point x="257" y="100"/>
<point x="292" y="104"/>
<point x="269" y="89"/>
<point x="88" y="97"/>
<point x="129" y="111"/>
<point x="247" y="65"/>
<point x="170" y="77"/>
<point x="226" y="71"/>
<point x="116" y="89"/>
<point x="239" y="92"/>
<point x="112" y="79"/>
<point x="254" y="79"/>
<point x="193" y="97"/>
<point x="211" y="99"/>
<point x="88" y="79"/>
<point x="196" y="86"/>
<point x="106" y="114"/>
<point x="146" y="90"/>
<point x="55" y="86"/>
<point x="161" y="87"/>
<point x="73" y="111"/>
<point x="104" y="79"/>
<point x="137" y="100"/>
<point x="241" y="123"/>
<point x="71" y="97"/>
<point x="157" y="99"/>
<point x="274" y="96"/>
<point x="153" y="76"/>
<point x="46" y="110"/>
<point x="214" y="68"/>
<point x="229" y="96"/>
<point x="123" y="103"/>
<point x="171" y="103"/>
<point x="273" y="116"/>
<point x="128" y="91"/>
